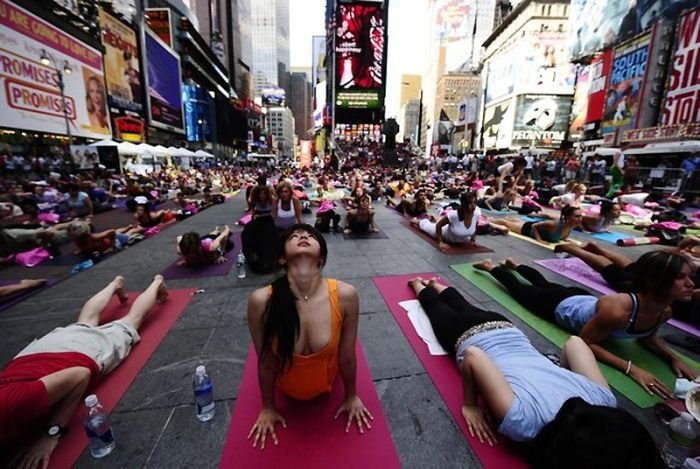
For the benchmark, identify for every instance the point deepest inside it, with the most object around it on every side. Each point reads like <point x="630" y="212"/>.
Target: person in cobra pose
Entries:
<point x="286" y="209"/>
<point x="549" y="231"/>
<point x="457" y="226"/>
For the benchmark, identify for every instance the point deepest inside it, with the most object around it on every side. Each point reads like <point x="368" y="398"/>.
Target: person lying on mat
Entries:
<point x="205" y="250"/>
<point x="549" y="231"/>
<point x="148" y="218"/>
<point x="498" y="201"/>
<point x="103" y="242"/>
<point x="661" y="278"/>
<point x="573" y="198"/>
<point x="457" y="226"/>
<point x="360" y="220"/>
<point x="415" y="208"/>
<point x="304" y="329"/>
<point x="286" y="208"/>
<point x="261" y="199"/>
<point x="23" y="286"/>
<point x="609" y="212"/>
<point x="42" y="386"/>
<point x="526" y="395"/>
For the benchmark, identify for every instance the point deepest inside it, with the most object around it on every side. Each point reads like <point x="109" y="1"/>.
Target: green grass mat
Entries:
<point x="627" y="349"/>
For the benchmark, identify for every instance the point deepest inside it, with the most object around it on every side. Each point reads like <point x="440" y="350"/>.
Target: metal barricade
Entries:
<point x="691" y="185"/>
<point x="666" y="180"/>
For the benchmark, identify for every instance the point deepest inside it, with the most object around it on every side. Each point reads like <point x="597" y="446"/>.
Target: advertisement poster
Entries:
<point x="273" y="96"/>
<point x="580" y="104"/>
<point x="452" y="20"/>
<point x="359" y="47"/>
<point x="546" y="66"/>
<point x="318" y="71"/>
<point x="158" y="19"/>
<point x="625" y="85"/>
<point x="541" y="120"/>
<point x="498" y="125"/>
<point x="682" y="101"/>
<point x="164" y="94"/>
<point x="30" y="95"/>
<point x="197" y="114"/>
<point x="305" y="153"/>
<point x="600" y="68"/>
<point x="601" y="23"/>
<point x="123" y="77"/>
<point x="501" y="76"/>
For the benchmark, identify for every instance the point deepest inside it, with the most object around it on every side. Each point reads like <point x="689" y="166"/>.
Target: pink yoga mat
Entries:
<point x="453" y="249"/>
<point x="575" y="269"/>
<point x="443" y="371"/>
<point x="312" y="438"/>
<point x="114" y="385"/>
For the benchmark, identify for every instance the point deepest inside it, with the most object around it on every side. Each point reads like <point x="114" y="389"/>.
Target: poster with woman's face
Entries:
<point x="95" y="100"/>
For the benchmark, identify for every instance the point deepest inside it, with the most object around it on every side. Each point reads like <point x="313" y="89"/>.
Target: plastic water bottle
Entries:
<point x="98" y="429"/>
<point x="680" y="440"/>
<point x="82" y="266"/>
<point x="203" y="394"/>
<point x="240" y="263"/>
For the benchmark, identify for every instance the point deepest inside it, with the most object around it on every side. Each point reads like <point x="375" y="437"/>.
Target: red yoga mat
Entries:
<point x="114" y="385"/>
<point x="453" y="249"/>
<point x="443" y="371"/>
<point x="312" y="439"/>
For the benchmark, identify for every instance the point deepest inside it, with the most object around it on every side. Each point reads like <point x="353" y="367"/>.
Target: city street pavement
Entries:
<point x="154" y="423"/>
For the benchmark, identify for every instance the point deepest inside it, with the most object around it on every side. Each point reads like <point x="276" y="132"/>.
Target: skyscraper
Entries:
<point x="270" y="33"/>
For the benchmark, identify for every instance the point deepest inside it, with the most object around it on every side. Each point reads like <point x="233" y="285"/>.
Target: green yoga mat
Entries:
<point x="627" y="349"/>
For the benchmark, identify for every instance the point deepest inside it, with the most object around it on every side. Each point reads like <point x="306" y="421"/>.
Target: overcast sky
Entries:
<point x="407" y="42"/>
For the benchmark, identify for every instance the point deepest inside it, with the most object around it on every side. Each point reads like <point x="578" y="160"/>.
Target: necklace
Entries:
<point x="309" y="294"/>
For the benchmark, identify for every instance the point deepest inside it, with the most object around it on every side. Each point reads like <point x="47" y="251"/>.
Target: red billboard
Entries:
<point x="682" y="102"/>
<point x="600" y="68"/>
<point x="359" y="50"/>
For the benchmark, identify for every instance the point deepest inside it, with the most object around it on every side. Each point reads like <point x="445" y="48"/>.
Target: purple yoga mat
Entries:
<point x="173" y="271"/>
<point x="575" y="269"/>
<point x="19" y="297"/>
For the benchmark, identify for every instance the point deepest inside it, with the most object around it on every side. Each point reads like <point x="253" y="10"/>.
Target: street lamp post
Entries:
<point x="48" y="60"/>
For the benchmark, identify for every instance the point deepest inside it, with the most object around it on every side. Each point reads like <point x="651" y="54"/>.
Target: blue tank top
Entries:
<point x="553" y="238"/>
<point x="574" y="312"/>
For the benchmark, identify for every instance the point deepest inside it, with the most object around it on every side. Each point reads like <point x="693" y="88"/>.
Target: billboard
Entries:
<point x="164" y="94"/>
<point x="318" y="60"/>
<point x="623" y="93"/>
<point x="541" y="120"/>
<point x="197" y="113"/>
<point x="273" y="96"/>
<point x="158" y="19"/>
<point x="123" y="77"/>
<point x="452" y="20"/>
<point x="682" y="100"/>
<point x="359" y="51"/>
<point x="580" y="104"/>
<point x="305" y="153"/>
<point x="31" y="94"/>
<point x="601" y="23"/>
<point x="600" y="68"/>
<point x="498" y="121"/>
<point x="544" y="66"/>
<point x="501" y="77"/>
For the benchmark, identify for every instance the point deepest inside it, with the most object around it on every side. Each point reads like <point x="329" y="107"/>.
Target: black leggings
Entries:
<point x="542" y="297"/>
<point x="450" y="315"/>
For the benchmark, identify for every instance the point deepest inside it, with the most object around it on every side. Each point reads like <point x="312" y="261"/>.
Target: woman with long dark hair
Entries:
<point x="204" y="250"/>
<point x="660" y="279"/>
<point x="304" y="328"/>
<point x="550" y="231"/>
<point x="566" y="413"/>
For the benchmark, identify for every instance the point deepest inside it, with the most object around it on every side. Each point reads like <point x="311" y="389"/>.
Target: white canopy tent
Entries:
<point x="104" y="143"/>
<point x="203" y="154"/>
<point x="128" y="148"/>
<point x="160" y="150"/>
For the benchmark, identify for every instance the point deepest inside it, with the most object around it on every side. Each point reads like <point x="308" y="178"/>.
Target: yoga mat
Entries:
<point x="685" y="327"/>
<point x="443" y="372"/>
<point x="312" y="438"/>
<point x="627" y="349"/>
<point x="549" y="246"/>
<point x="369" y="235"/>
<point x="114" y="385"/>
<point x="609" y="237"/>
<point x="174" y="271"/>
<point x="575" y="269"/>
<point x="453" y="249"/>
<point x="12" y="300"/>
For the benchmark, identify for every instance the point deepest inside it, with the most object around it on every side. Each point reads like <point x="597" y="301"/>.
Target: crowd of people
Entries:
<point x="304" y="326"/>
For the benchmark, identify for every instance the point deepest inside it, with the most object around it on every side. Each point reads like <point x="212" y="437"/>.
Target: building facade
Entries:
<point x="299" y="100"/>
<point x="270" y="41"/>
<point x="280" y="124"/>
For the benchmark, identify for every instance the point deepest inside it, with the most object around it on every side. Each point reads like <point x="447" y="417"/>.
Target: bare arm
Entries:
<point x="438" y="229"/>
<point x="297" y="209"/>
<point x="267" y="366"/>
<point x="546" y="226"/>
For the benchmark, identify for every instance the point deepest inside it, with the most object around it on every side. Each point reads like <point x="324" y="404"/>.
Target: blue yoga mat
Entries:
<point x="609" y="237"/>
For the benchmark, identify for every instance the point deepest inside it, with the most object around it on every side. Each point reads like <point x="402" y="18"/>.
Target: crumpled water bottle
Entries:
<point x="82" y="266"/>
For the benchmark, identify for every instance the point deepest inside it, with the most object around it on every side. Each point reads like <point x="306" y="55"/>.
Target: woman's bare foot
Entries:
<point x="415" y="222"/>
<point x="162" y="294"/>
<point x="417" y="284"/>
<point x="119" y="282"/>
<point x="346" y="231"/>
<point x="32" y="283"/>
<point x="509" y="262"/>
<point x="592" y="247"/>
<point x="486" y="265"/>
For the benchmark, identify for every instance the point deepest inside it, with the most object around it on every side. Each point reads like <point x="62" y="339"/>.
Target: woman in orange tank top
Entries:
<point x="304" y="328"/>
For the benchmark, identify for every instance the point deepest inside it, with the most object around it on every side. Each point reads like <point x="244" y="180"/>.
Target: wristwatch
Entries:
<point x="56" y="430"/>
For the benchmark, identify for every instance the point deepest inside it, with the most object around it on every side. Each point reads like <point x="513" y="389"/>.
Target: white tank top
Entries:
<point x="285" y="218"/>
